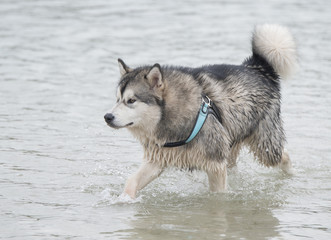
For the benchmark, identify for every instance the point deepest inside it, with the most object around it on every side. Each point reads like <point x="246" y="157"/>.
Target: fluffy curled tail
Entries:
<point x="276" y="45"/>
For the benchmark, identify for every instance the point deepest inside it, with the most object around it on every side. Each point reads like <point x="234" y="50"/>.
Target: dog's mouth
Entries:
<point x="112" y="125"/>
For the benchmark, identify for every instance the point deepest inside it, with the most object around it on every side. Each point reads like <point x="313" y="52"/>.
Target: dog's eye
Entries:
<point x="131" y="101"/>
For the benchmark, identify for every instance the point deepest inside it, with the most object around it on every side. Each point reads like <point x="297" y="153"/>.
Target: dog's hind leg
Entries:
<point x="217" y="177"/>
<point x="267" y="144"/>
<point x="146" y="173"/>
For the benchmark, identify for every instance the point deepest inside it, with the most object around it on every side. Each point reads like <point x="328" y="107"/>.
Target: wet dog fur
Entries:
<point x="159" y="104"/>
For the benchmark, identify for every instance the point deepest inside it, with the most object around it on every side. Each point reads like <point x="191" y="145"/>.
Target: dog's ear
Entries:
<point x="155" y="78"/>
<point x="124" y="69"/>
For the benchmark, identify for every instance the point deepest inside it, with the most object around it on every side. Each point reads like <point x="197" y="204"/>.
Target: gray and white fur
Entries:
<point x="159" y="104"/>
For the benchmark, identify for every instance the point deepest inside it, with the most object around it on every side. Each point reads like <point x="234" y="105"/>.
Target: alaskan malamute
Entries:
<point x="199" y="118"/>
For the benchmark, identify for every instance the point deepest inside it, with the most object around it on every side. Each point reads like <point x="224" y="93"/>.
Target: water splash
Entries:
<point x="108" y="197"/>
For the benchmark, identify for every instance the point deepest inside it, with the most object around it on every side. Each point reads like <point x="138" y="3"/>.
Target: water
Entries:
<point x="62" y="170"/>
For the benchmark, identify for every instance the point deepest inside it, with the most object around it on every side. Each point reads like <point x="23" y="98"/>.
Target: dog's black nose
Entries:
<point x="109" y="117"/>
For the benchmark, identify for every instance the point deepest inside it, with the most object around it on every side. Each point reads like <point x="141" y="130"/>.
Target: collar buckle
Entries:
<point x="207" y="100"/>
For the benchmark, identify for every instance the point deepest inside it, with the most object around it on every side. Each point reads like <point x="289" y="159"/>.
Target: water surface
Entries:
<point x="62" y="170"/>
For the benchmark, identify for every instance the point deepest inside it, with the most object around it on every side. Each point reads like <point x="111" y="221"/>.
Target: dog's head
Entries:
<point x="139" y="98"/>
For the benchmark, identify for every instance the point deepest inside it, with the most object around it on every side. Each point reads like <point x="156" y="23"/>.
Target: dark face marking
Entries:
<point x="148" y="98"/>
<point x="123" y="84"/>
<point x="134" y="77"/>
<point x="145" y="98"/>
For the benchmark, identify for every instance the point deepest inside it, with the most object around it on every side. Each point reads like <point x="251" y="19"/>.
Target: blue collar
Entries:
<point x="207" y="106"/>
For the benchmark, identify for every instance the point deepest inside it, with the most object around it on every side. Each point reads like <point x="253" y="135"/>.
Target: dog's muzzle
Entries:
<point x="109" y="118"/>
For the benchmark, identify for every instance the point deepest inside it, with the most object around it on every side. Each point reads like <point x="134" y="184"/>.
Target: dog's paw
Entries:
<point x="286" y="164"/>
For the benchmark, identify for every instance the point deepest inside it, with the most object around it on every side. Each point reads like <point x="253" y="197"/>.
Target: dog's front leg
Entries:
<point x="217" y="179"/>
<point x="146" y="173"/>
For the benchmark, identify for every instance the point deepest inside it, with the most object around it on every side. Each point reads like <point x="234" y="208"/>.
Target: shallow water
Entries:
<point x="62" y="170"/>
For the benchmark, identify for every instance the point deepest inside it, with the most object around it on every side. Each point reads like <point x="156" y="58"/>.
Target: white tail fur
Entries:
<point x="276" y="45"/>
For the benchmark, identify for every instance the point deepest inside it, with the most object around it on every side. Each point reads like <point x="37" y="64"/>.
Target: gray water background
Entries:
<point x="62" y="170"/>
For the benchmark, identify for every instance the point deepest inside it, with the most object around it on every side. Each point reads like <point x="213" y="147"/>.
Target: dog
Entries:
<point x="199" y="118"/>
